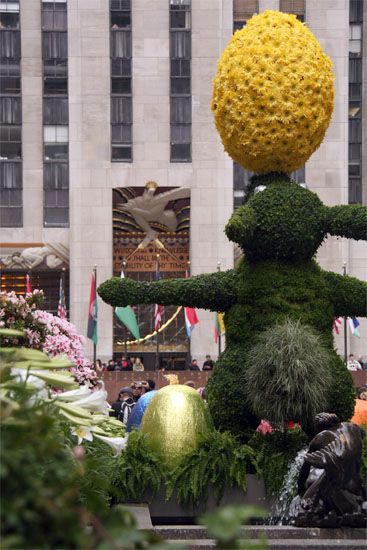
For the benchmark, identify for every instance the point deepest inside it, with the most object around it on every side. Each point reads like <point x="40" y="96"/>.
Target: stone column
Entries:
<point x="32" y="138"/>
<point x="212" y="184"/>
<point x="89" y="135"/>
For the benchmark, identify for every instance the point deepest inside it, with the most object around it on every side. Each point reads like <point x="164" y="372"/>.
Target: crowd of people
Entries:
<point x="129" y="395"/>
<point x="135" y="364"/>
<point x="354" y="364"/>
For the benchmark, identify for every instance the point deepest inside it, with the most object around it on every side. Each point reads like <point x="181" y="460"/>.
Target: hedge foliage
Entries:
<point x="279" y="230"/>
<point x="284" y="222"/>
<point x="348" y="221"/>
<point x="215" y="291"/>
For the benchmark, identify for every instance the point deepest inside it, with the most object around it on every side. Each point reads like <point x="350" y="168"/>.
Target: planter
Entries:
<point x="171" y="512"/>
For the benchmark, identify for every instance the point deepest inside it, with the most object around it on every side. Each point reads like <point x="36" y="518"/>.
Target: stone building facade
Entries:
<point x="208" y="174"/>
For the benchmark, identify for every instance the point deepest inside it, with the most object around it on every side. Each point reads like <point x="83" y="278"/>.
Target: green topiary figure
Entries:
<point x="280" y="230"/>
<point x="261" y="114"/>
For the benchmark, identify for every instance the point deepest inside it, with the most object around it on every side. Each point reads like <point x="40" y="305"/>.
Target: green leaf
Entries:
<point x="11" y="333"/>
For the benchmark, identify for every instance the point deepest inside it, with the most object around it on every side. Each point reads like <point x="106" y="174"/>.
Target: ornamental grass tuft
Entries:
<point x="288" y="376"/>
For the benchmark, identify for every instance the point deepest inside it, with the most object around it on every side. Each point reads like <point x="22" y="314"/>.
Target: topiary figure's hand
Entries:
<point x="348" y="220"/>
<point x="348" y="294"/>
<point x="215" y="291"/>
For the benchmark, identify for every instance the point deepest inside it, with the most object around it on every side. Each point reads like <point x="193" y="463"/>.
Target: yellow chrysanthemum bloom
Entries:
<point x="273" y="94"/>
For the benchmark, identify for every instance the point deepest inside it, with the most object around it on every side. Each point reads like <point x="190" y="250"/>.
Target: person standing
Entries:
<point x="125" y="364"/>
<point x="127" y="405"/>
<point x="136" y="388"/>
<point x="125" y="396"/>
<point x="353" y="364"/>
<point x="111" y="365"/>
<point x="194" y="365"/>
<point x="208" y="363"/>
<point x="138" y="365"/>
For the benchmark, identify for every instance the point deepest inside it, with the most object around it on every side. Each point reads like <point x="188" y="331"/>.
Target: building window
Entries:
<point x="121" y="81"/>
<point x="55" y="114"/>
<point x="9" y="14"/>
<point x="243" y="10"/>
<point x="180" y="80"/>
<point x="55" y="77"/>
<point x="11" y="192"/>
<point x="54" y="16"/>
<point x="297" y="7"/>
<point x="47" y="279"/>
<point x="10" y="77"/>
<point x="55" y="110"/>
<point x="11" y="200"/>
<point x="55" y="142"/>
<point x="10" y="110"/>
<point x="241" y="180"/>
<point x="355" y="101"/>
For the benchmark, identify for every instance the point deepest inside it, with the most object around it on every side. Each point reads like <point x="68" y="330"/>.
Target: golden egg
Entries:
<point x="175" y="421"/>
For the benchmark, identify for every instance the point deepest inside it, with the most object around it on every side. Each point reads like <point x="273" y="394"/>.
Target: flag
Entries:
<point x="61" y="308"/>
<point x="353" y="325"/>
<point x="336" y="324"/>
<point x="128" y="318"/>
<point x="28" y="288"/>
<point x="219" y="326"/>
<point x="158" y="310"/>
<point x="92" y="312"/>
<point x="191" y="318"/>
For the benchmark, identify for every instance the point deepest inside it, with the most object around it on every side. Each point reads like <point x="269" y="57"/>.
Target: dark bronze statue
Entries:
<point x="329" y="484"/>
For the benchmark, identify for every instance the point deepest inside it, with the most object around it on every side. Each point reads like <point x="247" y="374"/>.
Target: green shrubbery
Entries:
<point x="227" y="395"/>
<point x="54" y="493"/>
<point x="137" y="470"/>
<point x="221" y="461"/>
<point x="275" y="451"/>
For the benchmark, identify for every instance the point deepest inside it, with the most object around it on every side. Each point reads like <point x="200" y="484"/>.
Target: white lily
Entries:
<point x="118" y="444"/>
<point x="94" y="402"/>
<point x="82" y="432"/>
<point x="23" y="375"/>
<point x="74" y="395"/>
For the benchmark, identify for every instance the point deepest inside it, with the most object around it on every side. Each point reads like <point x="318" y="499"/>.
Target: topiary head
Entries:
<point x="281" y="221"/>
<point x="273" y="94"/>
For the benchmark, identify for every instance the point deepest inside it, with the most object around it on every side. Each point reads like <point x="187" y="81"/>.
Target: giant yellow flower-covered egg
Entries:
<point x="175" y="421"/>
<point x="273" y="94"/>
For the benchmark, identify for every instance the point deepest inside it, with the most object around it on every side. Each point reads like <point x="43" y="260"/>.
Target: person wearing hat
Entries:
<point x="124" y="404"/>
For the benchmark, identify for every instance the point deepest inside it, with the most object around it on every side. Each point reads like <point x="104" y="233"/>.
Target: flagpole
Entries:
<point x="219" y="327"/>
<point x="124" y="264"/>
<point x="345" y="322"/>
<point x="94" y="344"/>
<point x="188" y="338"/>
<point x="63" y="286"/>
<point x="157" y="341"/>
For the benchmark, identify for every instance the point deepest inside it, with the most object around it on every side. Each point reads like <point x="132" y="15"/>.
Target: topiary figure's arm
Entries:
<point x="348" y="220"/>
<point x="349" y="295"/>
<point x="214" y="291"/>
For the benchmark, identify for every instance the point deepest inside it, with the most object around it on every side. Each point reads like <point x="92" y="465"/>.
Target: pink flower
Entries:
<point x="293" y="425"/>
<point x="264" y="428"/>
<point x="46" y="332"/>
